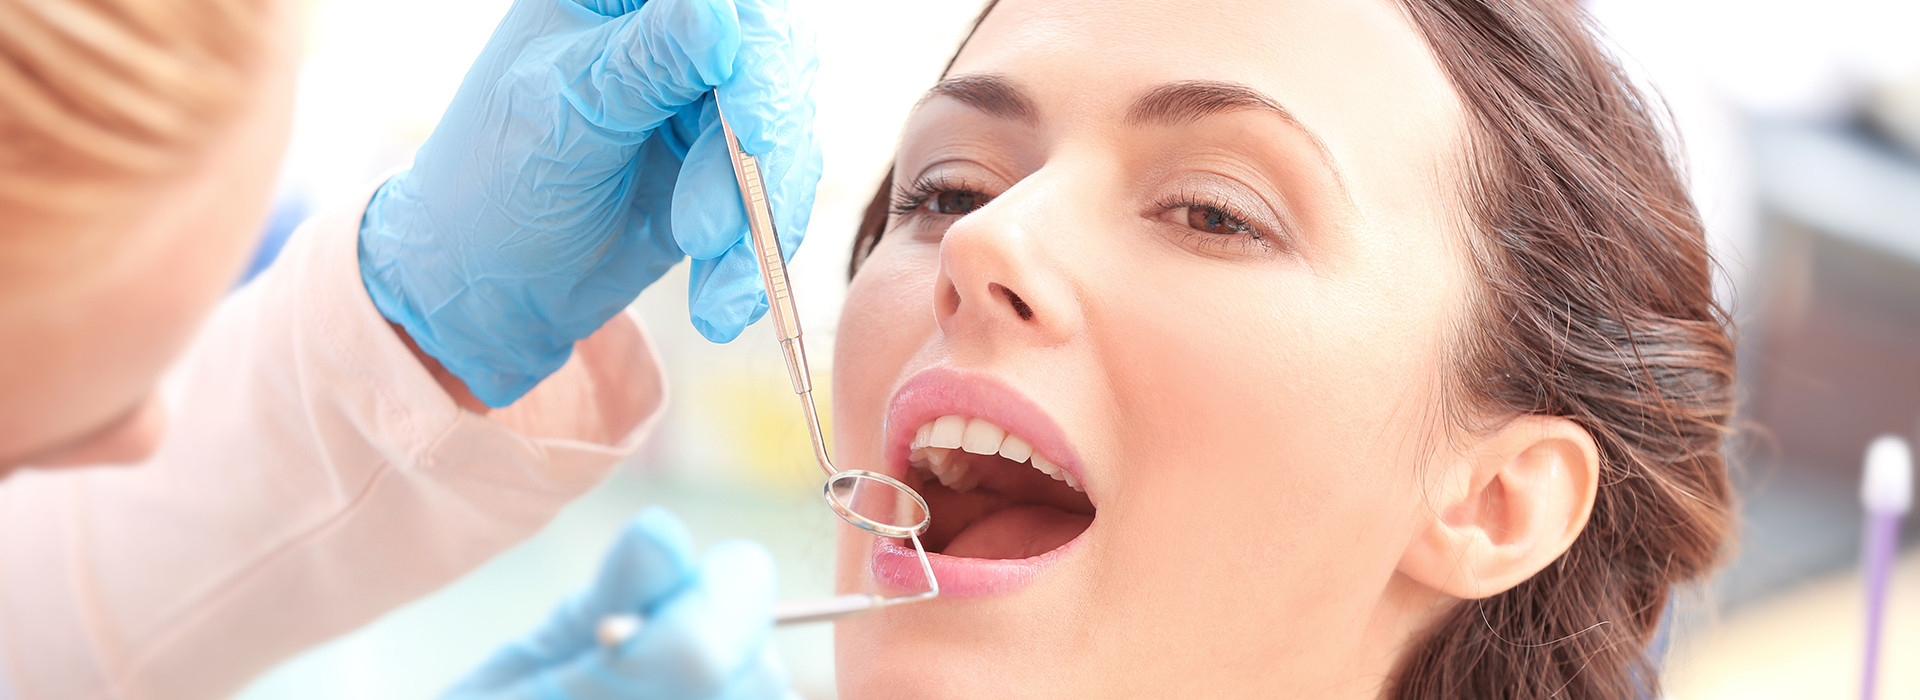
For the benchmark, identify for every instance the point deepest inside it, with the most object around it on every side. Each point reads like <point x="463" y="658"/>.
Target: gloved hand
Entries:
<point x="581" y="158"/>
<point x="705" y="632"/>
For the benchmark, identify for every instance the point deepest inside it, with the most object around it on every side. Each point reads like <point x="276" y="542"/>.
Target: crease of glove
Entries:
<point x="706" y="632"/>
<point x="579" y="161"/>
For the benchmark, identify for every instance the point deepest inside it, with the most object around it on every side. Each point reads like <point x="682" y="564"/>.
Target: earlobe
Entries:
<point x="1505" y="508"/>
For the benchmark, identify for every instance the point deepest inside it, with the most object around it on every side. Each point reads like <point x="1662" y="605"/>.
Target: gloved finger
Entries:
<point x="698" y="644"/>
<point x="791" y="193"/>
<point x="772" y="75"/>
<point x="708" y="216"/>
<point x="650" y="562"/>
<point x="724" y="294"/>
<point x="646" y="65"/>
<point x="611" y="8"/>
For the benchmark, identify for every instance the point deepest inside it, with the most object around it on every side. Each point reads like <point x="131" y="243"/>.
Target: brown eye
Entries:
<point x="955" y="202"/>
<point x="1214" y="220"/>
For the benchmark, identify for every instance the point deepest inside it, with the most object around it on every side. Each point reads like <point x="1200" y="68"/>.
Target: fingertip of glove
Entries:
<point x="721" y="322"/>
<point x="717" y="333"/>
<point x="658" y="525"/>
<point x="654" y="552"/>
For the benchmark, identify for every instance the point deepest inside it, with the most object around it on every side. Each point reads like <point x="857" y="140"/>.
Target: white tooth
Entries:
<point x="981" y="437"/>
<point x="921" y="436"/>
<point x="936" y="458"/>
<point x="1045" y="466"/>
<point x="954" y="473"/>
<point x="1015" y="449"/>
<point x="1072" y="480"/>
<point x="947" y="431"/>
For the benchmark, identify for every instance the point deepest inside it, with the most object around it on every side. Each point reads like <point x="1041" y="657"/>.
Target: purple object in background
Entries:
<point x="1887" y="491"/>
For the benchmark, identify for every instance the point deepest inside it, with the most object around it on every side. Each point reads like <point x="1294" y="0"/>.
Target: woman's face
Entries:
<point x="1199" y="258"/>
<point x="87" y="333"/>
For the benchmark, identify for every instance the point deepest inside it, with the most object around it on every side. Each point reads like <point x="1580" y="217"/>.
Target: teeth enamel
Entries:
<point x="934" y="443"/>
<point x="981" y="437"/>
<point x="947" y="432"/>
<point x="1015" y="449"/>
<point x="949" y="477"/>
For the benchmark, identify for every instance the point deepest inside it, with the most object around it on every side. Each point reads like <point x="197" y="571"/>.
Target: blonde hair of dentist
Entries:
<point x="101" y="101"/>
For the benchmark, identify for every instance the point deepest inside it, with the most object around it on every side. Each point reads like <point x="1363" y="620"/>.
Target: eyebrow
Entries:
<point x="991" y="94"/>
<point x="1171" y="104"/>
<point x="1188" y="101"/>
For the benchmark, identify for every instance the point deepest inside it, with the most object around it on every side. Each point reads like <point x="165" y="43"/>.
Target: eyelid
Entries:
<point x="908" y="202"/>
<point x="1245" y="204"/>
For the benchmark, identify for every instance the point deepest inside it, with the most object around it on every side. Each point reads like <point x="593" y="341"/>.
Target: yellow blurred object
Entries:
<point x="767" y="435"/>
<point x="1805" y="643"/>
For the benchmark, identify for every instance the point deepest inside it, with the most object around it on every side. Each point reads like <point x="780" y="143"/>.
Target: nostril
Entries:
<point x="1019" y="306"/>
<point x="948" y="302"/>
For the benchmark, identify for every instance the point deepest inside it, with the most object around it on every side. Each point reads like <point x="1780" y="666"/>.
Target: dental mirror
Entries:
<point x="877" y="503"/>
<point x="871" y="501"/>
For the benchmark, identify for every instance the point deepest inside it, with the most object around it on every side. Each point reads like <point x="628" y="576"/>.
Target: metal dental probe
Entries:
<point x="841" y="484"/>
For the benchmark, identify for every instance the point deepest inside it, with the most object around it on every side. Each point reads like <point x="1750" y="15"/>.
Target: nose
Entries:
<point x="1004" y="275"/>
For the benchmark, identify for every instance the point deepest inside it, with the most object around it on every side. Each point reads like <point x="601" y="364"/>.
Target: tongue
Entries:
<point x="1017" y="533"/>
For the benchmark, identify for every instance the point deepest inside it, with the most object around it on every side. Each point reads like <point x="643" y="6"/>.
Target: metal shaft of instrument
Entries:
<point x="773" y="270"/>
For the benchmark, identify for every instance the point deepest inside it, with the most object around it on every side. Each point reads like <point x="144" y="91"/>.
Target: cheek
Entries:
<point x="1285" y="411"/>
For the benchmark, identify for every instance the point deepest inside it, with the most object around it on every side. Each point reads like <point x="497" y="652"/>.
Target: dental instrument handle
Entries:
<point x="773" y="270"/>
<point x="615" y="630"/>
<point x="1886" y="490"/>
<point x="794" y="612"/>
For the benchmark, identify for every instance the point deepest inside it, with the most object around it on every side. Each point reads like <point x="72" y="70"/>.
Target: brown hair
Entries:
<point x="100" y="96"/>
<point x="1597" y="307"/>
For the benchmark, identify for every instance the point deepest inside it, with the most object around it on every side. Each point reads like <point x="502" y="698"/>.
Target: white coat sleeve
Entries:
<point x="313" y="477"/>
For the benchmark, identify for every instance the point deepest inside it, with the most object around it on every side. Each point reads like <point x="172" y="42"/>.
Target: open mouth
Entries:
<point x="990" y="494"/>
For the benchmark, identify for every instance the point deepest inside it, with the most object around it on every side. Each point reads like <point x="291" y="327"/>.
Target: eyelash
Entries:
<point x="1249" y="238"/>
<point x="910" y="202"/>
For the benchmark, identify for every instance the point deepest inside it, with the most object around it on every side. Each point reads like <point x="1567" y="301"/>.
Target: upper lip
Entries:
<point x="947" y="391"/>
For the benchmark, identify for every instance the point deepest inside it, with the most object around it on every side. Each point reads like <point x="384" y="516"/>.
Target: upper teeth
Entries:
<point x="934" y="443"/>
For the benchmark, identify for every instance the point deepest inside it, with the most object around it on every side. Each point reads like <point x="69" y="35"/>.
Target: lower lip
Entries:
<point x="896" y="566"/>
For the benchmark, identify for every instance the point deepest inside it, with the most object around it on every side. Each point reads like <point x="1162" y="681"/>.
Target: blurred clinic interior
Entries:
<point x="1801" y="124"/>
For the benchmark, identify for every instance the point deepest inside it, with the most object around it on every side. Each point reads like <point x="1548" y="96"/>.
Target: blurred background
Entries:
<point x="1800" y="124"/>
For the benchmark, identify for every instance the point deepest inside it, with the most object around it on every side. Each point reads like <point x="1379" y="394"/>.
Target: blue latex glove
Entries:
<point x="705" y="634"/>
<point x="580" y="159"/>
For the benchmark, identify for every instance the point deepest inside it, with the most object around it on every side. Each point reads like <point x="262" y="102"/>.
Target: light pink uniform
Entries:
<point x="314" y="477"/>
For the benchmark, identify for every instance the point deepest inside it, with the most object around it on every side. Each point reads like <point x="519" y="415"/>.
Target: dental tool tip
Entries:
<point x="615" y="630"/>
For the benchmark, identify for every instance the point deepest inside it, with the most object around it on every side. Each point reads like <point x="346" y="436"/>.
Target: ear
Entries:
<point x="1505" y="508"/>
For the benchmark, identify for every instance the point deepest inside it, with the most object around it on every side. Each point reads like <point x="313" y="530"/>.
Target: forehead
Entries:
<point x="1356" y="73"/>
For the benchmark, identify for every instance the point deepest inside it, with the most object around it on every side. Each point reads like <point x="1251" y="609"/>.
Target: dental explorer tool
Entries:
<point x="901" y="512"/>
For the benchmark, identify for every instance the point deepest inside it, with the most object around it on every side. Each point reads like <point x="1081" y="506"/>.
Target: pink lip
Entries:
<point x="896" y="567"/>
<point x="945" y="391"/>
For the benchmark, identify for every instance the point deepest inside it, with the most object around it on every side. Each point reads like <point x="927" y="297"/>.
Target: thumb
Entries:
<point x="651" y="561"/>
<point x="700" y="643"/>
